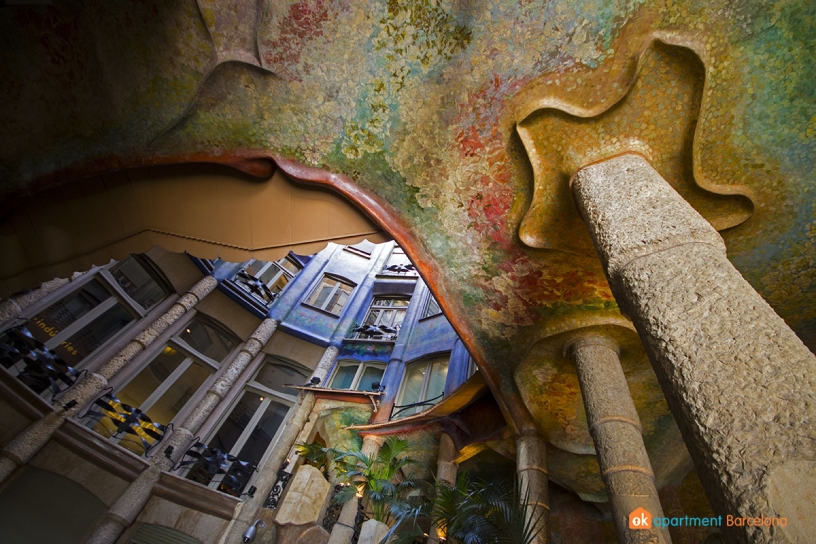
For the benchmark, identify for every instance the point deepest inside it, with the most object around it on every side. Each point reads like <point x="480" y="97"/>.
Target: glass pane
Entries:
<point x="399" y="317"/>
<point x="412" y="386"/>
<point x="93" y="335"/>
<point x="344" y="376"/>
<point x="274" y="376"/>
<point x="279" y="284"/>
<point x="433" y="308"/>
<point x="137" y="282"/>
<point x="269" y="274"/>
<point x="339" y="299"/>
<point x="321" y="294"/>
<point x="149" y="379"/>
<point x="436" y="383"/>
<point x="373" y="317"/>
<point x="59" y="315"/>
<point x="255" y="267"/>
<point x="236" y="422"/>
<point x="370" y="375"/>
<point x="262" y="434"/>
<point x="289" y="265"/>
<point x="174" y="399"/>
<point x="207" y="340"/>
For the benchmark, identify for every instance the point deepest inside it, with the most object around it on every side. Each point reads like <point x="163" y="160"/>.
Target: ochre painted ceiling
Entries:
<point x="455" y="125"/>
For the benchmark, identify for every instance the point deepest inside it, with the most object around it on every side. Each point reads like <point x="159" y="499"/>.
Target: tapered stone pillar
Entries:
<point x="739" y="382"/>
<point x="25" y="445"/>
<point x="531" y="465"/>
<point x="13" y="306"/>
<point x="130" y="504"/>
<point x="615" y="428"/>
<point x="324" y="365"/>
<point x="446" y="471"/>
<point x="297" y="429"/>
<point x="343" y="530"/>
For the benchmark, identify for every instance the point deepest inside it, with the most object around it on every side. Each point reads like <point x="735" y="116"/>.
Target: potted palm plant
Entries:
<point x="378" y="480"/>
<point x="466" y="512"/>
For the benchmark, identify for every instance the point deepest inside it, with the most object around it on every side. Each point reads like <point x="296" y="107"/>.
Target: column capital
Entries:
<point x="585" y="338"/>
<point x="631" y="212"/>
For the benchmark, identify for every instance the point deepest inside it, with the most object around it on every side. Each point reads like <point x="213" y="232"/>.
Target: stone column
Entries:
<point x="23" y="447"/>
<point x="298" y="428"/>
<point x="446" y="471"/>
<point x="739" y="382"/>
<point x="343" y="530"/>
<point x="531" y="465"/>
<point x="325" y="364"/>
<point x="296" y="431"/>
<point x="14" y="305"/>
<point x="615" y="428"/>
<point x="130" y="504"/>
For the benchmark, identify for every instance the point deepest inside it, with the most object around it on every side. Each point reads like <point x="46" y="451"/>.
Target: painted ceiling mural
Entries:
<point x="456" y="124"/>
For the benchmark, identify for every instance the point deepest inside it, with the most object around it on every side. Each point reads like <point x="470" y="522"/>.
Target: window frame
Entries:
<point x="428" y="361"/>
<point x="358" y="375"/>
<point x="410" y="272"/>
<point x="191" y="357"/>
<point x="426" y="311"/>
<point x="313" y="293"/>
<point x="381" y="309"/>
<point x="281" y="271"/>
<point x="116" y="295"/>
<point x="269" y="396"/>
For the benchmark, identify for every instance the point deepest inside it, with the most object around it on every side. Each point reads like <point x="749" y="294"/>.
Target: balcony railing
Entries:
<point x="372" y="332"/>
<point x="128" y="424"/>
<point x="207" y="464"/>
<point x="37" y="366"/>
<point x="254" y="287"/>
<point x="396" y="410"/>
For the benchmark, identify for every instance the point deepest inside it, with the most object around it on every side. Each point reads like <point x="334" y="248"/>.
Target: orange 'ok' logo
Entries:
<point x="640" y="519"/>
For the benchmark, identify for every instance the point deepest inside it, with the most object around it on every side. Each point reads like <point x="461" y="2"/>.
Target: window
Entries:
<point x="265" y="280"/>
<point x="357" y="376"/>
<point x="168" y="382"/>
<point x="384" y="318"/>
<point x="399" y="264"/>
<point x="431" y="308"/>
<point x="101" y="306"/>
<point x="331" y="295"/>
<point x="423" y="384"/>
<point x="249" y="428"/>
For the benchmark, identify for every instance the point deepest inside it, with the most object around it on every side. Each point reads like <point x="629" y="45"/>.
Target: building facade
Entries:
<point x="357" y="339"/>
<point x="612" y="202"/>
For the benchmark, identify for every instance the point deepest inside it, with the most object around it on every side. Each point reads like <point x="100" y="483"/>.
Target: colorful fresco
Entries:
<point x="456" y="125"/>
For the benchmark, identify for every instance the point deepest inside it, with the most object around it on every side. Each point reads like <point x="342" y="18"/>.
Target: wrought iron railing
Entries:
<point x="129" y="424"/>
<point x="333" y="513"/>
<point x="37" y="366"/>
<point x="372" y="332"/>
<point x="397" y="409"/>
<point x="254" y="286"/>
<point x="283" y="478"/>
<point x="400" y="270"/>
<point x="205" y="464"/>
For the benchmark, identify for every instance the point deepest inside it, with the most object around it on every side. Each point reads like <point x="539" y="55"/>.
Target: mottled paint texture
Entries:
<point x="421" y="107"/>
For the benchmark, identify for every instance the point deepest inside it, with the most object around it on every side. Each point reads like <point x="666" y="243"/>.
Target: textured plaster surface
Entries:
<point x="740" y="383"/>
<point x="432" y="116"/>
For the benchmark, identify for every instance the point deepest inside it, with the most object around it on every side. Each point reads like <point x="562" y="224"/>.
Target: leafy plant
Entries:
<point x="379" y="478"/>
<point x="467" y="512"/>
<point x="316" y="455"/>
